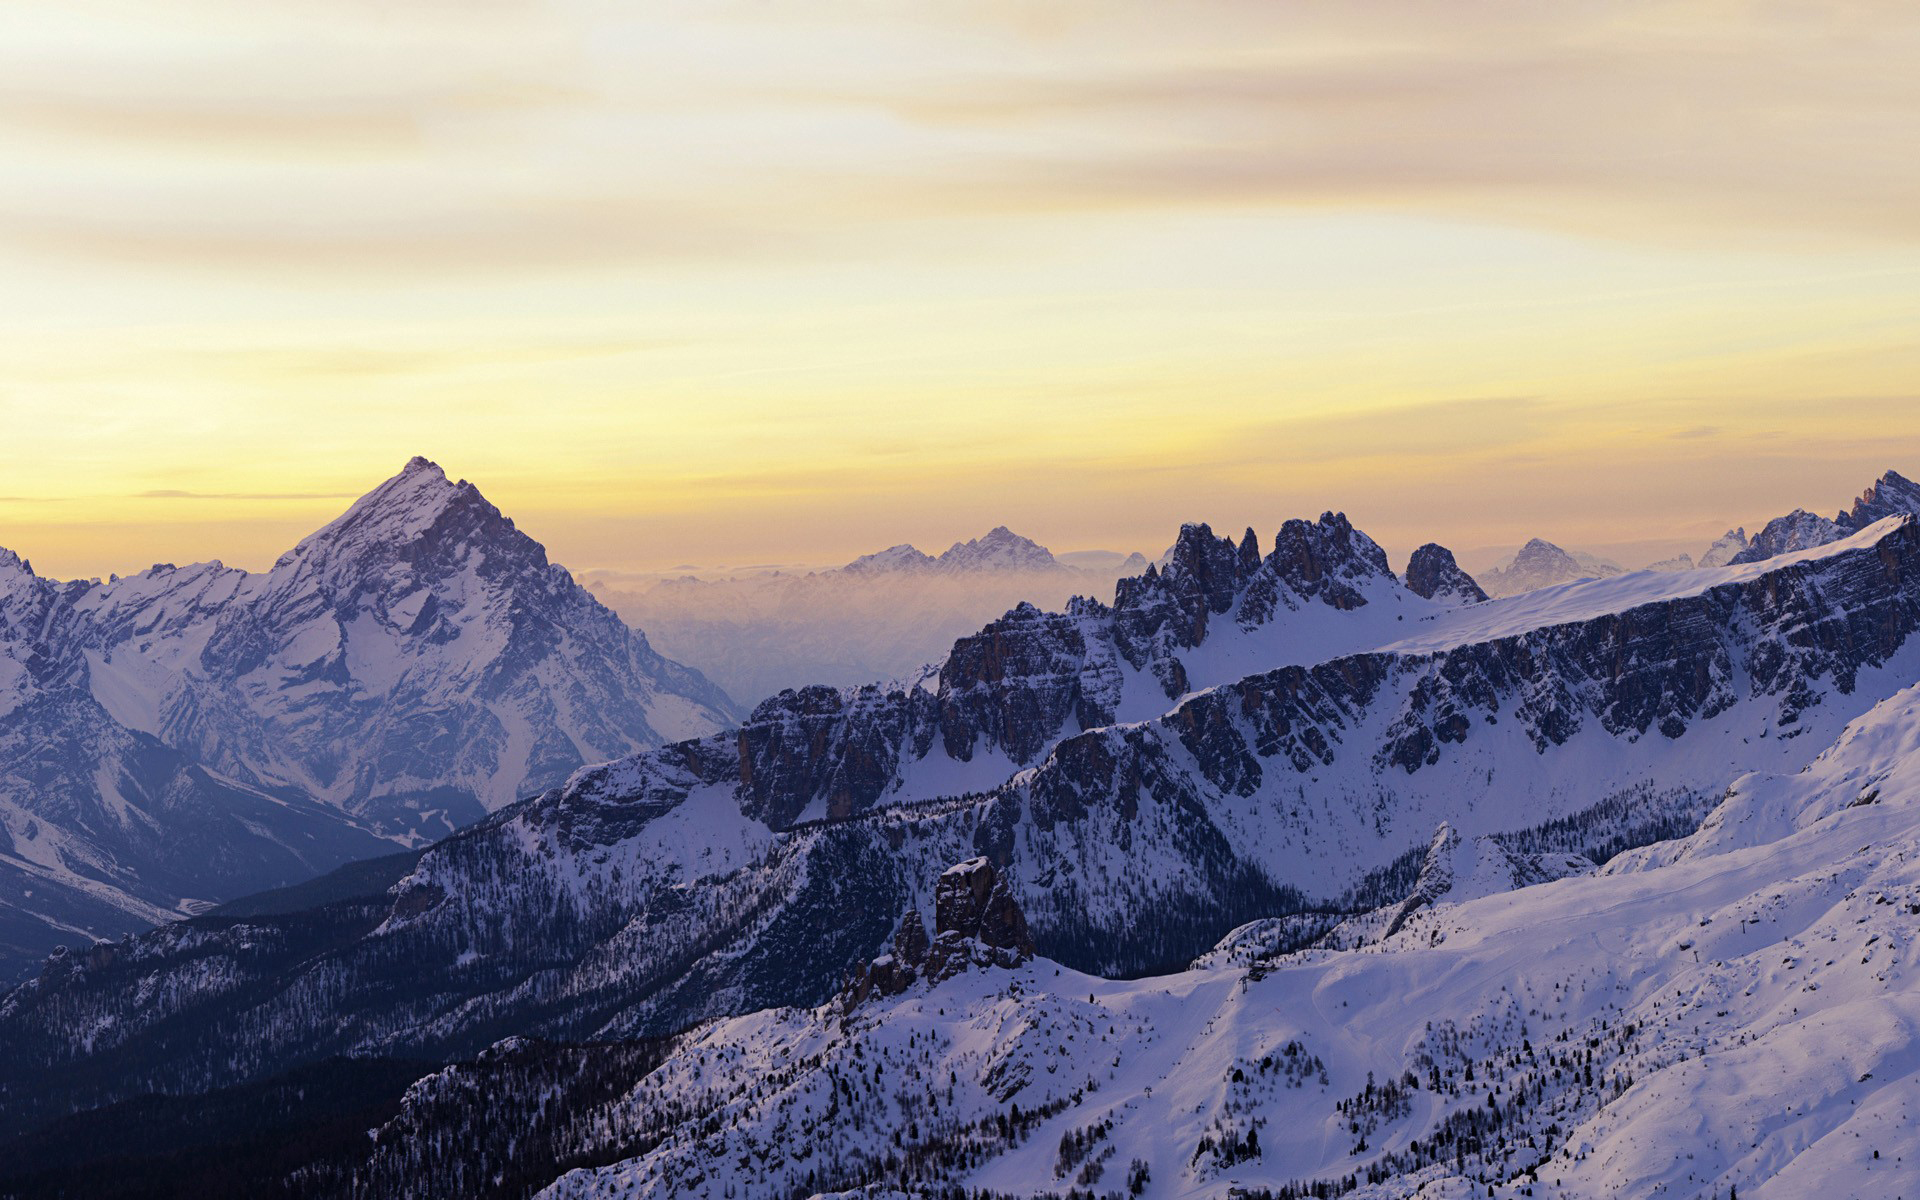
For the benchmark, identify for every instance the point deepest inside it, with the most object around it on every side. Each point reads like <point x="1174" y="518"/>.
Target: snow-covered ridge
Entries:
<point x="1584" y="600"/>
<point x="1743" y="1021"/>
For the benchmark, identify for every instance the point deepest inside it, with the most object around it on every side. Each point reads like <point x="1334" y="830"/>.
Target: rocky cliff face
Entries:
<point x="977" y="923"/>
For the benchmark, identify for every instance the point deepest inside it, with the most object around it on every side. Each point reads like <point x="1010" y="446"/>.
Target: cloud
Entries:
<point x="178" y="494"/>
<point x="498" y="142"/>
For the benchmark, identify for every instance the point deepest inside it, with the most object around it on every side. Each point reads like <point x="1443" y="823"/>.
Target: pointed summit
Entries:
<point x="1540" y="564"/>
<point x="417" y="514"/>
<point x="1000" y="550"/>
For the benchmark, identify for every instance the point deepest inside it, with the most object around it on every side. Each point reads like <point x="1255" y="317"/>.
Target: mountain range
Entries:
<point x="190" y="734"/>
<point x="1283" y="874"/>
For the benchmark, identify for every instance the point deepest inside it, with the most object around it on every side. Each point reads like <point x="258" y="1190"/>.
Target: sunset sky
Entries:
<point x="741" y="282"/>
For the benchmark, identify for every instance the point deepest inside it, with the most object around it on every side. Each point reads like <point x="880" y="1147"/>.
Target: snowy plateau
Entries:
<point x="1281" y="875"/>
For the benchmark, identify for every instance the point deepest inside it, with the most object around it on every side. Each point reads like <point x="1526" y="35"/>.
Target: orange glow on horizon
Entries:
<point x="743" y="285"/>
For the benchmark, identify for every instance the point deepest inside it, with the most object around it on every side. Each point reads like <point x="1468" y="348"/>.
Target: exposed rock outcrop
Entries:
<point x="1433" y="573"/>
<point x="977" y="923"/>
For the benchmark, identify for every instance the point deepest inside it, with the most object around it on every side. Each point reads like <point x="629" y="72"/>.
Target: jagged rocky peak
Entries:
<point x="1798" y="530"/>
<point x="1326" y="559"/>
<point x="1330" y="552"/>
<point x="1891" y="495"/>
<point x="896" y="970"/>
<point x="1725" y="548"/>
<point x="1434" y="575"/>
<point x="1203" y="565"/>
<point x="972" y="901"/>
<point x="409" y="517"/>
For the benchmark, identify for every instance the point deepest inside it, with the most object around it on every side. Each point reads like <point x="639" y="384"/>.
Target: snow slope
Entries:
<point x="1738" y="1010"/>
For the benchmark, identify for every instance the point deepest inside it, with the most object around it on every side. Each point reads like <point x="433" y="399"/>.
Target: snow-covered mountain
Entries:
<point x="1734" y="1013"/>
<point x="999" y="550"/>
<point x="1540" y="564"/>
<point x="726" y="874"/>
<point x="1889" y="496"/>
<point x="1724" y="549"/>
<point x="1798" y="530"/>
<point x="1730" y="1013"/>
<point x="1413" y="848"/>
<point x="189" y="734"/>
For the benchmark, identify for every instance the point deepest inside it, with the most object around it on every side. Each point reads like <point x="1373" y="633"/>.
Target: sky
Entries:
<point x="726" y="283"/>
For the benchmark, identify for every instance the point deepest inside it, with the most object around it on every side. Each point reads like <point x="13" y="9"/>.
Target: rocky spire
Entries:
<point x="977" y="923"/>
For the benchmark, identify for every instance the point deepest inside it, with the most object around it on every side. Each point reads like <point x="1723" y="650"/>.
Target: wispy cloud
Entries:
<point x="178" y="494"/>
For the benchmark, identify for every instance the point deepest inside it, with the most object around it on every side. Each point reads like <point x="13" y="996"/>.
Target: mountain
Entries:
<point x="761" y="868"/>
<point x="1432" y="573"/>
<point x="1001" y="550"/>
<point x="785" y="846"/>
<point x="1724" y="549"/>
<point x="1890" y="496"/>
<point x="1732" y="1013"/>
<point x="884" y="615"/>
<point x="1798" y="530"/>
<point x="1732" y="1008"/>
<point x="1540" y="564"/>
<point x="894" y="558"/>
<point x="189" y="734"/>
